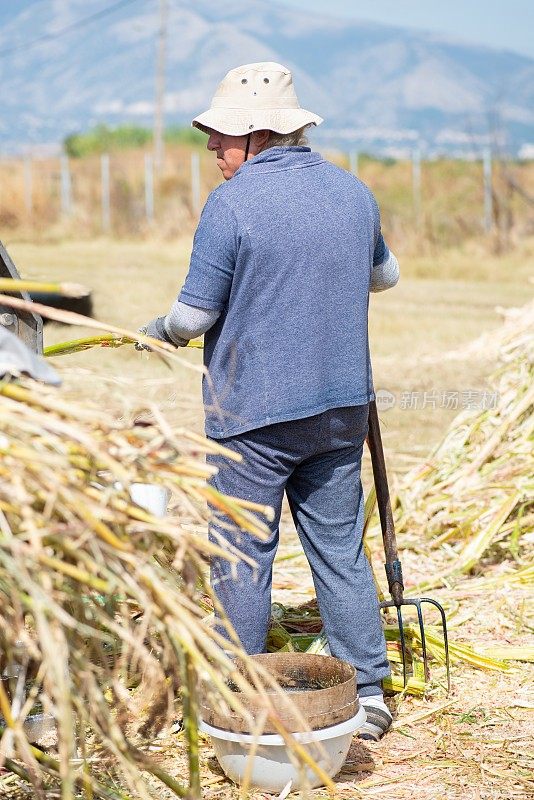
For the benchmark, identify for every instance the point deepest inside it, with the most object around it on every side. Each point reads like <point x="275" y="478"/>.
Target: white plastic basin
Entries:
<point x="152" y="497"/>
<point x="272" y="768"/>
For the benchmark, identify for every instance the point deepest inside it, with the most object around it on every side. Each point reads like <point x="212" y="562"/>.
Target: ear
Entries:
<point x="260" y="139"/>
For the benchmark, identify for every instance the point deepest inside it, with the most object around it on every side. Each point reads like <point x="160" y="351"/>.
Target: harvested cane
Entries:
<point x="65" y="289"/>
<point x="89" y="342"/>
<point x="393" y="565"/>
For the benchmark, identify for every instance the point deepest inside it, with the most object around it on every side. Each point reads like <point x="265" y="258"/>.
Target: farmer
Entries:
<point x="284" y="257"/>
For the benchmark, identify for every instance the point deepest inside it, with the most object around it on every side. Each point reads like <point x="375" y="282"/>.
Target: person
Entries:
<point x="283" y="259"/>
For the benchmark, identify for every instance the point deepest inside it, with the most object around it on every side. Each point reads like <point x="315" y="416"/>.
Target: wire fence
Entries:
<point x="121" y="193"/>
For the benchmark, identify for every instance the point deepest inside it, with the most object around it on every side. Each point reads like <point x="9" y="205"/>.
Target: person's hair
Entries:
<point x="296" y="138"/>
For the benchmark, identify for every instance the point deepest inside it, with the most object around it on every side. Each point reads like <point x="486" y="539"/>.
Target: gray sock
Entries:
<point x="370" y="689"/>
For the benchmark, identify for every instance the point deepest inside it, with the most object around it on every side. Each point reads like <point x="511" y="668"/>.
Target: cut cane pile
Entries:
<point x="101" y="626"/>
<point x="471" y="504"/>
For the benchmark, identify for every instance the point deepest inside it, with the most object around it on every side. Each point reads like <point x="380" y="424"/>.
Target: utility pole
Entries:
<point x="161" y="59"/>
<point x="28" y="185"/>
<point x="353" y="162"/>
<point x="66" y="186"/>
<point x="416" y="183"/>
<point x="488" y="189"/>
<point x="105" y="192"/>
<point x="149" y="187"/>
<point x="195" y="183"/>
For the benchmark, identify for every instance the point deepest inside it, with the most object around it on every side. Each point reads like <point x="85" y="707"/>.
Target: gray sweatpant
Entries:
<point x="316" y="461"/>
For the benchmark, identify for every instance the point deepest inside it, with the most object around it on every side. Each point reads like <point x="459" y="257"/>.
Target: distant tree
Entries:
<point x="180" y="135"/>
<point x="103" y="139"/>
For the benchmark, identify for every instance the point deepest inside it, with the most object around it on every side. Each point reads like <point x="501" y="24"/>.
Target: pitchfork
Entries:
<point x="393" y="565"/>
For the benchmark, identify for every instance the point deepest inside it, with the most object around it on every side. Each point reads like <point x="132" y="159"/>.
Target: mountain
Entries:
<point x="376" y="85"/>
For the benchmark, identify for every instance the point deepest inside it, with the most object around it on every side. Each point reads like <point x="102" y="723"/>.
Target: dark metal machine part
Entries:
<point x="80" y="305"/>
<point x="393" y="565"/>
<point x="27" y="326"/>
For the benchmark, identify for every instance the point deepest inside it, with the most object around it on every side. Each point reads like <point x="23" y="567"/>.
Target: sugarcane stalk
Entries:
<point x="242" y="519"/>
<point x="165" y="778"/>
<point x="102" y="530"/>
<point x="154" y="769"/>
<point x="395" y="683"/>
<point x="5" y="707"/>
<point x="90" y="342"/>
<point x="64" y="289"/>
<point x="190" y="708"/>
<point x="508" y="652"/>
<point x="86" y="775"/>
<point x="79" y="575"/>
<point x="86" y="343"/>
<point x="16" y="769"/>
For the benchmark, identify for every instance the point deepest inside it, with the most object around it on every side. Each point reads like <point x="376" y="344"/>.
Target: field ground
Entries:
<point x="475" y="744"/>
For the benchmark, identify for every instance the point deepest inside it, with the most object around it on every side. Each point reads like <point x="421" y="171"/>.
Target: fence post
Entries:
<point x="28" y="186"/>
<point x="149" y="187"/>
<point x="104" y="180"/>
<point x="353" y="161"/>
<point x="66" y="188"/>
<point x="159" y="142"/>
<point x="488" y="189"/>
<point x="416" y="184"/>
<point x="195" y="183"/>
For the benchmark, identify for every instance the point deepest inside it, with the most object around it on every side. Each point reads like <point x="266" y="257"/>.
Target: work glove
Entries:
<point x="156" y="329"/>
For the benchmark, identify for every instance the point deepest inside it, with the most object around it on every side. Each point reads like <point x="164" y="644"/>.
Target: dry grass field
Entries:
<point x="36" y="204"/>
<point x="434" y="333"/>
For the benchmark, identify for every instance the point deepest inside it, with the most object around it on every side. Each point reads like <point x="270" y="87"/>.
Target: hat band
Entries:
<point x="255" y="103"/>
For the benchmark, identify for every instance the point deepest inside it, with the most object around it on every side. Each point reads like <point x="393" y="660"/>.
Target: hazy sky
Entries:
<point x="500" y="23"/>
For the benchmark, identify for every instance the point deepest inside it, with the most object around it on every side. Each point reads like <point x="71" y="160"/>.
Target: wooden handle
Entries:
<point x="393" y="565"/>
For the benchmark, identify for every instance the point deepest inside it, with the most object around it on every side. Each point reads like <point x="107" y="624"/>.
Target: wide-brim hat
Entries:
<point x="256" y="97"/>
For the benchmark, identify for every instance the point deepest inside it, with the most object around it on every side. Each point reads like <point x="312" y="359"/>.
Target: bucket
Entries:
<point x="320" y="693"/>
<point x="272" y="769"/>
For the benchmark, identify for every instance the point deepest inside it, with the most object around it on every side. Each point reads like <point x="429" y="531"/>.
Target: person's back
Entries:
<point x="291" y="340"/>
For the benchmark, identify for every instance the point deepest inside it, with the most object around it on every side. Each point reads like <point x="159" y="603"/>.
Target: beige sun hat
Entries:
<point x="256" y="97"/>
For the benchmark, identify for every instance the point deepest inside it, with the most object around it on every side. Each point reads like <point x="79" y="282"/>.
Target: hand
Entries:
<point x="141" y="345"/>
<point x="156" y="329"/>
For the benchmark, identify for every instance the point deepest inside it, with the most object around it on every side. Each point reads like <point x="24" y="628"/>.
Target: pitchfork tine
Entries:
<point x="403" y="646"/>
<point x="445" y="636"/>
<point x="417" y="604"/>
